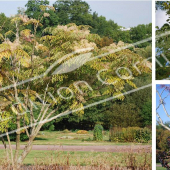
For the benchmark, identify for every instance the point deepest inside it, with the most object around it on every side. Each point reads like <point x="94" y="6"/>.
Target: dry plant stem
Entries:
<point x="10" y="147"/>
<point x="18" y="127"/>
<point x="6" y="150"/>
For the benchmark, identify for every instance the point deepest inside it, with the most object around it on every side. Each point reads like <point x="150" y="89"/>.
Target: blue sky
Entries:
<point x="124" y="13"/>
<point x="167" y="105"/>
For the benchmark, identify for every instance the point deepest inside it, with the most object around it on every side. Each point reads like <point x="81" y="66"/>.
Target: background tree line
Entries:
<point x="80" y="13"/>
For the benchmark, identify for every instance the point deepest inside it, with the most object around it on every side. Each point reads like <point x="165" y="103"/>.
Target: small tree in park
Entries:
<point x="98" y="132"/>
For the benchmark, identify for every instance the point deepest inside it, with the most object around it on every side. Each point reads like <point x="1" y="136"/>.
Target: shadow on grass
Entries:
<point x="37" y="138"/>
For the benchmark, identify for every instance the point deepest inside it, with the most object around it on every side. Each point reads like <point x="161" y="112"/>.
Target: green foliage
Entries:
<point x="40" y="10"/>
<point x="136" y="107"/>
<point x="162" y="46"/>
<point x="79" y="12"/>
<point x="162" y="73"/>
<point x="144" y="52"/>
<point x="5" y="26"/>
<point x="161" y="137"/>
<point x="23" y="137"/>
<point x="146" y="113"/>
<point x="141" y="32"/>
<point x="97" y="132"/>
<point x="130" y="134"/>
<point x="66" y="131"/>
<point x="51" y="128"/>
<point x="30" y="54"/>
<point x="4" y="125"/>
<point x="123" y="115"/>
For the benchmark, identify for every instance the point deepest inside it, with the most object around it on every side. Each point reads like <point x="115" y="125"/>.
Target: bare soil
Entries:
<point x="107" y="148"/>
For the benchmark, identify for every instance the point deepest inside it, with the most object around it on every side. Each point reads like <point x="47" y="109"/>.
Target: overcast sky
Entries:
<point x="124" y="13"/>
<point x="161" y="18"/>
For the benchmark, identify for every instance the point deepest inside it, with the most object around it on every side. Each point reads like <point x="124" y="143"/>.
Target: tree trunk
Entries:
<point x="10" y="147"/>
<point x="27" y="149"/>
<point x="17" y="139"/>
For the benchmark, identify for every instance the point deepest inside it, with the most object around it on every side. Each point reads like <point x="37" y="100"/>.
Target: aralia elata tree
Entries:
<point x="29" y="81"/>
<point x="163" y="92"/>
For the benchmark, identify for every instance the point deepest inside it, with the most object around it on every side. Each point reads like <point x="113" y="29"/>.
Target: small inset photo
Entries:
<point x="163" y="126"/>
<point x="162" y="51"/>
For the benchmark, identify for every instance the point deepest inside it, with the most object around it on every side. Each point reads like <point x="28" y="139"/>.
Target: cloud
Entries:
<point x="161" y="18"/>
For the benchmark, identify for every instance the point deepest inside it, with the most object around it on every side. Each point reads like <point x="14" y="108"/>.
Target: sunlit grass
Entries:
<point x="56" y="138"/>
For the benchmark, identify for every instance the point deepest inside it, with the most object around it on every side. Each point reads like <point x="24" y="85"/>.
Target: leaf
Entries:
<point x="1" y="37"/>
<point x="14" y="110"/>
<point x="131" y="84"/>
<point x="8" y="33"/>
<point x="5" y="54"/>
<point x="26" y="33"/>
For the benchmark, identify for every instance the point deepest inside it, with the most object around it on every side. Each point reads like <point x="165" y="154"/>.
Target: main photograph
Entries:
<point x="75" y="85"/>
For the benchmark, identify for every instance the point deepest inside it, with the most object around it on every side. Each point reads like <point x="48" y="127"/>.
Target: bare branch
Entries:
<point x="162" y="103"/>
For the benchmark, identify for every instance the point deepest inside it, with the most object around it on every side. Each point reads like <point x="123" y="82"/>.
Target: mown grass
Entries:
<point x="160" y="168"/>
<point x="55" y="138"/>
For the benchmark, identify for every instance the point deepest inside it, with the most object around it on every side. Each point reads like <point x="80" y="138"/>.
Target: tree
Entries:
<point x="163" y="92"/>
<point x="6" y="28"/>
<point x="34" y="10"/>
<point x="30" y="83"/>
<point x="146" y="113"/>
<point x="123" y="115"/>
<point x="79" y="12"/>
<point x="72" y="11"/>
<point x="141" y="32"/>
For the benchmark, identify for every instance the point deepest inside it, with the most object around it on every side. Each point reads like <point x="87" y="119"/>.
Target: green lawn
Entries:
<point x="61" y="138"/>
<point x="79" y="158"/>
<point x="160" y="168"/>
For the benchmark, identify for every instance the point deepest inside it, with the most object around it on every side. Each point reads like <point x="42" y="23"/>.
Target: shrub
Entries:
<point x="130" y="134"/>
<point x="161" y="139"/>
<point x="116" y="135"/>
<point x="97" y="133"/>
<point x="23" y="137"/>
<point x="82" y="132"/>
<point x="143" y="135"/>
<point x="51" y="128"/>
<point x="66" y="131"/>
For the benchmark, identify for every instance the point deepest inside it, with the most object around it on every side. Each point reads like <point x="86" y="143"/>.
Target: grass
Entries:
<point x="160" y="167"/>
<point x="85" y="158"/>
<point x="56" y="138"/>
<point x="81" y="158"/>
